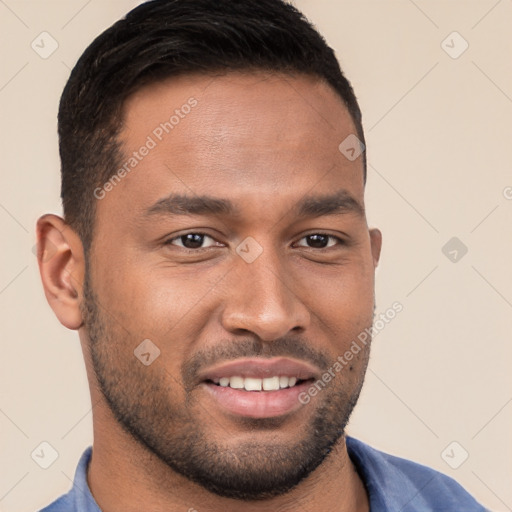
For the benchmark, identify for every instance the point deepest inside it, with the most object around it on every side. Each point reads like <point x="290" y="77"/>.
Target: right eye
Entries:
<point x="191" y="241"/>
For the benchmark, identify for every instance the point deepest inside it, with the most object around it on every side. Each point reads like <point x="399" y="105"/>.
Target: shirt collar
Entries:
<point x="83" y="499"/>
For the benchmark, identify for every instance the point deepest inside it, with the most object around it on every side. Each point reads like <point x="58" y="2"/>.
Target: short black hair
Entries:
<point x="164" y="38"/>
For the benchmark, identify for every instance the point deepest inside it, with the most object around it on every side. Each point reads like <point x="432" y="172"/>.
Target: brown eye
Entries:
<point x="320" y="241"/>
<point x="192" y="241"/>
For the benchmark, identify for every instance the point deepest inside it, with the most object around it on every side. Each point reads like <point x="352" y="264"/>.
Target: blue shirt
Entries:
<point x="393" y="484"/>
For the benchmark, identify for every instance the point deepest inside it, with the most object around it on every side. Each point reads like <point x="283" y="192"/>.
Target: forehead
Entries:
<point x="244" y="135"/>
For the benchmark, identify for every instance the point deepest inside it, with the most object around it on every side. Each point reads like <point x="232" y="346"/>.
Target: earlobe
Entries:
<point x="61" y="264"/>
<point x="376" y="245"/>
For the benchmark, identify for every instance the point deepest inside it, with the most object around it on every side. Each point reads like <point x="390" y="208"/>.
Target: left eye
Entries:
<point x="192" y="241"/>
<point x="320" y="241"/>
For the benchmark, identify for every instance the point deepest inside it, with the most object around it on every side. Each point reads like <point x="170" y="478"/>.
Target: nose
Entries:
<point x="261" y="300"/>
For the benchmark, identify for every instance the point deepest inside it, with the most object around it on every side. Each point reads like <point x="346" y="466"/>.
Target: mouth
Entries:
<point x="258" y="388"/>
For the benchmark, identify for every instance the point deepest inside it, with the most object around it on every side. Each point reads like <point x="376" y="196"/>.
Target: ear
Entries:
<point x="376" y="245"/>
<point x="60" y="257"/>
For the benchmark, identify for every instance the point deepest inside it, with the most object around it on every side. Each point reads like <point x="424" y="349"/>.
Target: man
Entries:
<point x="215" y="258"/>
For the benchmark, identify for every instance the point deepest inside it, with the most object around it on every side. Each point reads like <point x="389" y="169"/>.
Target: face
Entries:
<point x="237" y="244"/>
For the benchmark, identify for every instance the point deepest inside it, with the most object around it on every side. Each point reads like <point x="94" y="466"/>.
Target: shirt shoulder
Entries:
<point x="62" y="504"/>
<point x="394" y="483"/>
<point x="79" y="498"/>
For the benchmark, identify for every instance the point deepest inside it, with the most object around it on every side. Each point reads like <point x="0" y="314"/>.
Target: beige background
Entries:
<point x="439" y="149"/>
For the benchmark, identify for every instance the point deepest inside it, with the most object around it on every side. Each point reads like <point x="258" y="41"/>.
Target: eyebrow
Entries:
<point x="340" y="202"/>
<point x="178" y="204"/>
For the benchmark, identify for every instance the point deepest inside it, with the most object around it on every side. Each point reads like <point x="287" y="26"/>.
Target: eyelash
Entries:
<point x="339" y="240"/>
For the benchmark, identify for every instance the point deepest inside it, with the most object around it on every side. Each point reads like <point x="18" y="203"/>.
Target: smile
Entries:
<point x="254" y="384"/>
<point x="258" y="388"/>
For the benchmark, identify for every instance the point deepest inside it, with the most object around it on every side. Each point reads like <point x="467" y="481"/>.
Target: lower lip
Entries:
<point x="257" y="404"/>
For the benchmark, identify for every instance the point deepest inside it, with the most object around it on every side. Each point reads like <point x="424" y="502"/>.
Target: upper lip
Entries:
<point x="261" y="368"/>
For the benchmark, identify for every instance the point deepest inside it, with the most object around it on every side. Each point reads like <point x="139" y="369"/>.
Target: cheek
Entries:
<point x="343" y="310"/>
<point x="342" y="295"/>
<point x="167" y="307"/>
<point x="148" y="298"/>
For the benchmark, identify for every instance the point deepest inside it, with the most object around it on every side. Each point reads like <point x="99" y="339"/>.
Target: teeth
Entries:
<point x="251" y="384"/>
<point x="254" y="384"/>
<point x="271" y="383"/>
<point x="236" y="382"/>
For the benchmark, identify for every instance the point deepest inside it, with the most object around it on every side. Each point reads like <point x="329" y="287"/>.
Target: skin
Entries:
<point x="264" y="142"/>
